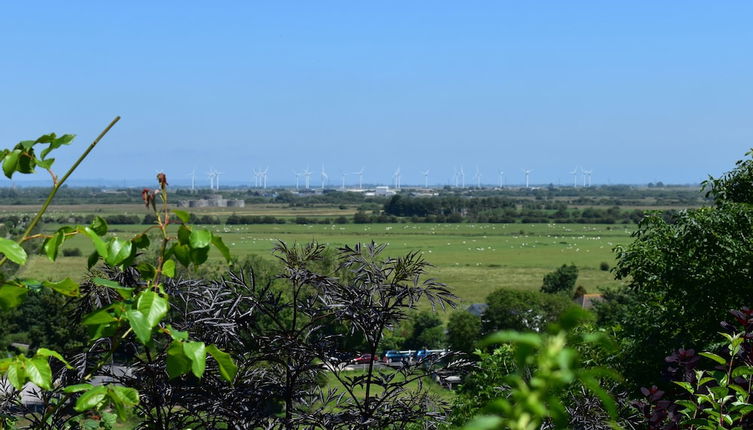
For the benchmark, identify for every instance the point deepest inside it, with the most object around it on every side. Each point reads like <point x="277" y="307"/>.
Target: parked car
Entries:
<point x="365" y="359"/>
<point x="393" y="356"/>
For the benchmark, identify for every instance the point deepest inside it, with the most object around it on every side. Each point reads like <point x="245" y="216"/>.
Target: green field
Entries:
<point x="474" y="259"/>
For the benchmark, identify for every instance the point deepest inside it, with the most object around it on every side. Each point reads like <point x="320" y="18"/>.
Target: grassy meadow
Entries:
<point x="474" y="259"/>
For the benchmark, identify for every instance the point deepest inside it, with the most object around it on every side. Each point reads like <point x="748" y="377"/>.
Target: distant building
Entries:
<point x="383" y="191"/>
<point x="587" y="301"/>
<point x="477" y="309"/>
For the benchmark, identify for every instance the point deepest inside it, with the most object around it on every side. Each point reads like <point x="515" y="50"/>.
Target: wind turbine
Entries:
<point x="396" y="177"/>
<point x="264" y="176"/>
<point x="478" y="178"/>
<point x="575" y="177"/>
<point x="324" y="177"/>
<point x="297" y="178"/>
<point x="587" y="173"/>
<point x="360" y="178"/>
<point x="426" y="178"/>
<point x="343" y="184"/>
<point x="456" y="177"/>
<point x="462" y="177"/>
<point x="211" y="174"/>
<point x="193" y="180"/>
<point x="501" y="176"/>
<point x="217" y="179"/>
<point x="527" y="172"/>
<point x="307" y="175"/>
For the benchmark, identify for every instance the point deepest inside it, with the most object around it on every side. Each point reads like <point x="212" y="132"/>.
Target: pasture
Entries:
<point x="473" y="259"/>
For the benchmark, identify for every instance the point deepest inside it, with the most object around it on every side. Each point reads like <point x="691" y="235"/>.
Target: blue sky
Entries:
<point x="637" y="91"/>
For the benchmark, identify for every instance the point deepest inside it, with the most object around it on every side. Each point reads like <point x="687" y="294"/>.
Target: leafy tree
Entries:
<point x="683" y="272"/>
<point x="522" y="310"/>
<point x="562" y="280"/>
<point x="463" y="331"/>
<point x="428" y="331"/>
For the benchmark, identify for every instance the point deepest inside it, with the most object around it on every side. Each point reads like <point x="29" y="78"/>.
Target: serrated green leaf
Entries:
<point x="118" y="250"/>
<point x="13" y="251"/>
<point x="196" y="352"/>
<point x="99" y="226"/>
<point x="66" y="287"/>
<point x="153" y="306"/>
<point x="177" y="362"/>
<point x="182" y="215"/>
<point x="168" y="268"/>
<point x="200" y="239"/>
<point x="140" y="325"/>
<point x="92" y="399"/>
<point x="10" y="163"/>
<point x="220" y="245"/>
<point x="38" y="371"/>
<point x="11" y="296"/>
<point x="227" y="366"/>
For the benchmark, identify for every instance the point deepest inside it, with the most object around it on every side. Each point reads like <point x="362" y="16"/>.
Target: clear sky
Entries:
<point x="637" y="91"/>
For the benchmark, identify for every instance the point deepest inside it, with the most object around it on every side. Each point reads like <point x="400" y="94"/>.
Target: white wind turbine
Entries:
<point x="360" y="178"/>
<point x="264" y="177"/>
<point x="217" y="179"/>
<point x="456" y="177"/>
<point x="461" y="173"/>
<point x="426" y="178"/>
<point x="478" y="178"/>
<point x="307" y="175"/>
<point x="324" y="177"/>
<point x="587" y="173"/>
<point x="527" y="172"/>
<point x="212" y="174"/>
<point x="297" y="178"/>
<point x="501" y="176"/>
<point x="193" y="180"/>
<point x="575" y="177"/>
<point x="343" y="184"/>
<point x="396" y="177"/>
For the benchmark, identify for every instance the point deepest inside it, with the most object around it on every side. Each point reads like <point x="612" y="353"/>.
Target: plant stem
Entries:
<point x="57" y="185"/>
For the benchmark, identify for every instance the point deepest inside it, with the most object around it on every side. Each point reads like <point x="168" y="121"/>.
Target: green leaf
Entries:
<point x="182" y="254"/>
<point x="220" y="245"/>
<point x="140" y="241"/>
<point x="227" y="366"/>
<point x="182" y="215"/>
<point x="199" y="255"/>
<point x="52" y="244"/>
<point x="39" y="372"/>
<point x="177" y="334"/>
<point x="742" y="371"/>
<point x="16" y="374"/>
<point x="44" y="352"/>
<point x="99" y="226"/>
<point x="168" y="268"/>
<point x="10" y="162"/>
<point x="147" y="270"/>
<point x="196" y="352"/>
<point x="11" y="296"/>
<point x="124" y="292"/>
<point x="140" y="325"/>
<point x="92" y="259"/>
<point x="77" y="388"/>
<point x="510" y="336"/>
<point x="153" y="306"/>
<point x="714" y="357"/>
<point x="102" y="316"/>
<point x="200" y="238"/>
<point x="92" y="399"/>
<point x="118" y="250"/>
<point x="123" y="398"/>
<point x="184" y="235"/>
<point x="177" y="362"/>
<point x="13" y="251"/>
<point x="99" y="244"/>
<point x="66" y="287"/>
<point x="26" y="162"/>
<point x="686" y="386"/>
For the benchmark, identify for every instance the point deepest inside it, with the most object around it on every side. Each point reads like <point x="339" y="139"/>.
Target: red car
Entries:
<point x="365" y="359"/>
